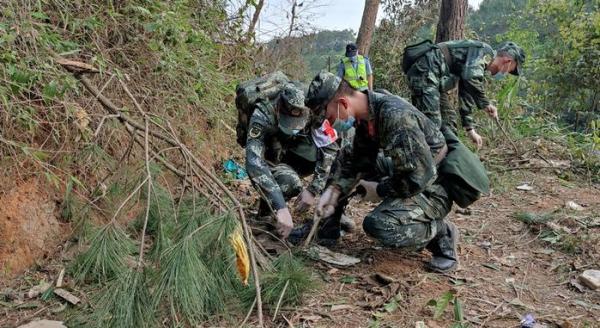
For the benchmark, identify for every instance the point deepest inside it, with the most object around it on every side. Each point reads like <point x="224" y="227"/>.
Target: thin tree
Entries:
<point x="257" y="9"/>
<point x="293" y="18"/>
<point x="451" y="25"/>
<point x="367" y="26"/>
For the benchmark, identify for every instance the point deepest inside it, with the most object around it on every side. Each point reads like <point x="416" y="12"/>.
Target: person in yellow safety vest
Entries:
<point x="356" y="69"/>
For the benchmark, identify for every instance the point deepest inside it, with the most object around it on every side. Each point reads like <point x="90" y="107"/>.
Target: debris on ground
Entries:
<point x="44" y="324"/>
<point x="324" y="254"/>
<point x="230" y="166"/>
<point x="61" y="277"/>
<point x="573" y="206"/>
<point x="591" y="278"/>
<point x="525" y="187"/>
<point x="383" y="278"/>
<point x="37" y="290"/>
<point x="67" y="296"/>
<point x="528" y="321"/>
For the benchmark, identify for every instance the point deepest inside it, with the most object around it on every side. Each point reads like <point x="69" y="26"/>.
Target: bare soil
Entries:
<point x="29" y="228"/>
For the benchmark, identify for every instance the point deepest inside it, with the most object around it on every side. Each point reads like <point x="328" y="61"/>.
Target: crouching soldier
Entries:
<point x="396" y="151"/>
<point x="273" y="125"/>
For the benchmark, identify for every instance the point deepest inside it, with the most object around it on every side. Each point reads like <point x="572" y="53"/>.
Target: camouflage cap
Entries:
<point x="321" y="90"/>
<point x="516" y="52"/>
<point x="293" y="115"/>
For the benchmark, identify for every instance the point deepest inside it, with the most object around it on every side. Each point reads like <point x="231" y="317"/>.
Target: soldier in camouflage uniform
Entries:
<point x="436" y="72"/>
<point x="279" y="150"/>
<point x="396" y="151"/>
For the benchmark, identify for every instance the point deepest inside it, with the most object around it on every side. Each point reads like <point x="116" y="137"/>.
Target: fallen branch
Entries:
<point x="78" y="69"/>
<point x="287" y="283"/>
<point x="497" y="119"/>
<point x="526" y="168"/>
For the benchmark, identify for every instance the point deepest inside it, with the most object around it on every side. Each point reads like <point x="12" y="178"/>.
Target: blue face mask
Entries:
<point x="499" y="76"/>
<point x="343" y="126"/>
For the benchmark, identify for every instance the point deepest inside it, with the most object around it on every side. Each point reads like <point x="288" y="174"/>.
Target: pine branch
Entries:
<point x="131" y="124"/>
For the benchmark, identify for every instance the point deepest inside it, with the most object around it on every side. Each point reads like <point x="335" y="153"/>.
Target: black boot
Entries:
<point x="327" y="235"/>
<point x="444" y="248"/>
<point x="330" y="228"/>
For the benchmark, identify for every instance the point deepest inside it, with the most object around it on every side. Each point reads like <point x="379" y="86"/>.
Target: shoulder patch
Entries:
<point x="255" y="131"/>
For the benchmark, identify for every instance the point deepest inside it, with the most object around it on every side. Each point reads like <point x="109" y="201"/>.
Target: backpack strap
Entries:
<point x="446" y="52"/>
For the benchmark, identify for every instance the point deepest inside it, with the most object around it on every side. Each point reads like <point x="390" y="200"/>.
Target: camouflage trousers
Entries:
<point x="425" y="79"/>
<point x="289" y="181"/>
<point x="409" y="223"/>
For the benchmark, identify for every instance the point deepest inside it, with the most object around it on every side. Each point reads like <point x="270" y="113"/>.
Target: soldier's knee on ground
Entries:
<point x="393" y="233"/>
<point x="288" y="180"/>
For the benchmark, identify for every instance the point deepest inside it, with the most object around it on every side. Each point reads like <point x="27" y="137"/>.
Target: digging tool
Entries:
<point x="360" y="190"/>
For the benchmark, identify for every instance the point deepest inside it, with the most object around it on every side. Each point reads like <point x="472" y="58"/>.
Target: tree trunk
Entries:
<point x="367" y="26"/>
<point x="293" y="19"/>
<point x="451" y="25"/>
<point x="254" y="20"/>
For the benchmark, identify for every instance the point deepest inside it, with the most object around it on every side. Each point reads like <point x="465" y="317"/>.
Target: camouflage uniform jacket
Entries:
<point x="405" y="135"/>
<point x="469" y="60"/>
<point x="266" y="145"/>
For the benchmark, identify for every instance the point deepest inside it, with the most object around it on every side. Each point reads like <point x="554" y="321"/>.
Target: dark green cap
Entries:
<point x="321" y="90"/>
<point x="516" y="52"/>
<point x="293" y="115"/>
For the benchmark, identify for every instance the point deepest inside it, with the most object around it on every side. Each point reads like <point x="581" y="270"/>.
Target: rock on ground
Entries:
<point x="44" y="324"/>
<point x="591" y="278"/>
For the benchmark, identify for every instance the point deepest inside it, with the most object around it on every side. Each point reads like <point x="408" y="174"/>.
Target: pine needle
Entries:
<point x="125" y="303"/>
<point x="187" y="285"/>
<point x="218" y="254"/>
<point x="161" y="220"/>
<point x="68" y="203"/>
<point x="197" y="276"/>
<point x="106" y="256"/>
<point x="288" y="270"/>
<point x="83" y="229"/>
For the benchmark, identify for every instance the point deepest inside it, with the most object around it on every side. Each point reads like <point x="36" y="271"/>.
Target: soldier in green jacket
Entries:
<point x="464" y="62"/>
<point x="281" y="148"/>
<point x="395" y="152"/>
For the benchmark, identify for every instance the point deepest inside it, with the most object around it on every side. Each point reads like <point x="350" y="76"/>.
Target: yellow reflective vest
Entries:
<point x="356" y="77"/>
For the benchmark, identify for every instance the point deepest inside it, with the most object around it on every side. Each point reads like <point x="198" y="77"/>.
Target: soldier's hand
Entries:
<point x="284" y="223"/>
<point x="476" y="138"/>
<point x="304" y="201"/>
<point x="371" y="188"/>
<point x="491" y="110"/>
<point x="328" y="201"/>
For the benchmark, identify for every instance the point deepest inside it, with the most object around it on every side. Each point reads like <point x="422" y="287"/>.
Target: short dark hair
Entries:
<point x="344" y="89"/>
<point x="504" y="53"/>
